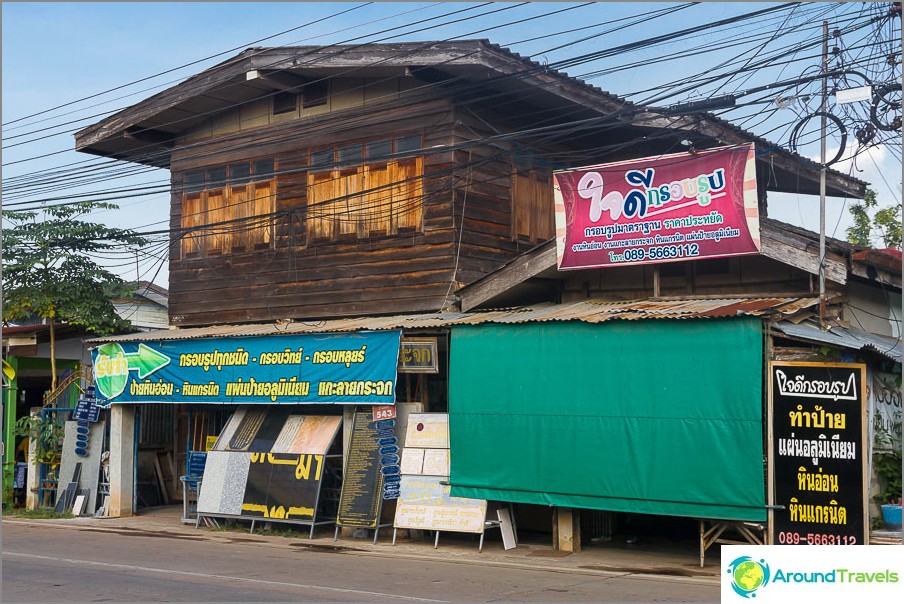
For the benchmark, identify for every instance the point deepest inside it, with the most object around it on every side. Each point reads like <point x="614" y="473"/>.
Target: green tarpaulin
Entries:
<point x="655" y="417"/>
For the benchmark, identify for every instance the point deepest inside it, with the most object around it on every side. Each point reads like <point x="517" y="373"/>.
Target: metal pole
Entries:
<point x="901" y="444"/>
<point x="822" y="177"/>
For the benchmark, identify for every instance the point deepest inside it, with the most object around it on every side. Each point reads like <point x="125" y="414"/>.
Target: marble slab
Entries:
<point x="316" y="434"/>
<point x="229" y="429"/>
<point x="223" y="485"/>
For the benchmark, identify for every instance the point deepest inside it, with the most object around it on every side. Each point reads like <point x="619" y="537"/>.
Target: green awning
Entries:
<point x="654" y="417"/>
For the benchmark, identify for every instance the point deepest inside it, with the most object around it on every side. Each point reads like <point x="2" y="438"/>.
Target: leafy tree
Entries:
<point x="48" y="272"/>
<point x="885" y="221"/>
<point x="859" y="232"/>
<point x="888" y="222"/>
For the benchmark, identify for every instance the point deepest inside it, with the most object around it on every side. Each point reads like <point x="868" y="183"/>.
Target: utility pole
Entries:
<point x="822" y="177"/>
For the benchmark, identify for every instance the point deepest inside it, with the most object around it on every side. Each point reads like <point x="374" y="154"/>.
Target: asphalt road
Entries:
<point x="50" y="564"/>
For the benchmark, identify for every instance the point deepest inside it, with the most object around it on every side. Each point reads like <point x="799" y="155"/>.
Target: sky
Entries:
<point x="60" y="59"/>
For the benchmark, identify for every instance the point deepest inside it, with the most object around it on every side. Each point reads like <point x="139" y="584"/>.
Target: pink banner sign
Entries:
<point x="658" y="209"/>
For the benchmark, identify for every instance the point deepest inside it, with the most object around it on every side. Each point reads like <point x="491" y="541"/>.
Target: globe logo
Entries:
<point x="748" y="575"/>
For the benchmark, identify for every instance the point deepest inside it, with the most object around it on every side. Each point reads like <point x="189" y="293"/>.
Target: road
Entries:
<point x="52" y="564"/>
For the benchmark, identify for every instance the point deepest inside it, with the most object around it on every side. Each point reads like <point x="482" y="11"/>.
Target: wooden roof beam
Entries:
<point x="836" y="182"/>
<point x="787" y="251"/>
<point x="517" y="271"/>
<point x="871" y="273"/>
<point x="149" y="135"/>
<point x="779" y="246"/>
<point x="874" y="265"/>
<point x="279" y="80"/>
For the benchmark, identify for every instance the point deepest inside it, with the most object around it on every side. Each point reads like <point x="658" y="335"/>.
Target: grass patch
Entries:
<point x="274" y="530"/>
<point x="38" y="514"/>
<point x="277" y="532"/>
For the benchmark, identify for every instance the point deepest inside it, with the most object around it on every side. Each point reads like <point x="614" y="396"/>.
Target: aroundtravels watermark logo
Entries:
<point x="794" y="573"/>
<point x="748" y="575"/>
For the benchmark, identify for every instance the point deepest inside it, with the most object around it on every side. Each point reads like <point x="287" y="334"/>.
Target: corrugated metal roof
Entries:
<point x="846" y="337"/>
<point x="589" y="311"/>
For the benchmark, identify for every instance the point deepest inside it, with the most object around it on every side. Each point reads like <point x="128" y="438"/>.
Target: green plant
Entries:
<point x="884" y="222"/>
<point x="888" y="468"/>
<point x="45" y="433"/>
<point x="36" y="514"/>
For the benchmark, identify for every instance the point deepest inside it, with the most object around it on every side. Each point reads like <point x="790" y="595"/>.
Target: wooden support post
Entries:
<point x="568" y="533"/>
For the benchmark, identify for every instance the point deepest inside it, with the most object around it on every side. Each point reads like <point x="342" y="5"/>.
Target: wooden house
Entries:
<point x="316" y="182"/>
<point x="145" y="308"/>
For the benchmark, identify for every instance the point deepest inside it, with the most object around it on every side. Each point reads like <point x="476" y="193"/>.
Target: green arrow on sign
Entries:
<point x="146" y="361"/>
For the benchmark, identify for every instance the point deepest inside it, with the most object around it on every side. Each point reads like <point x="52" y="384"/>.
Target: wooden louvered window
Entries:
<point x="228" y="209"/>
<point x="365" y="190"/>
<point x="532" y="206"/>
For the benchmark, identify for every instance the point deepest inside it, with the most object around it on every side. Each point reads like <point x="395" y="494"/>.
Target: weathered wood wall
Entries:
<point x="295" y="278"/>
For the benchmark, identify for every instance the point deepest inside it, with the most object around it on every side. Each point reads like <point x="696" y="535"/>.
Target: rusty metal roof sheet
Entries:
<point x="589" y="311"/>
<point x="846" y="337"/>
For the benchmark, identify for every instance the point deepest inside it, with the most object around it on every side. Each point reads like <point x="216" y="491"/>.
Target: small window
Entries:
<point x="192" y="182"/>
<point x="322" y="160"/>
<point x="378" y="151"/>
<point x="239" y="174"/>
<point x="315" y="94"/>
<point x="350" y="154"/>
<point x="216" y="178"/>
<point x="263" y="169"/>
<point x="284" y="102"/>
<point x="713" y="266"/>
<point x="672" y="269"/>
<point x="412" y="142"/>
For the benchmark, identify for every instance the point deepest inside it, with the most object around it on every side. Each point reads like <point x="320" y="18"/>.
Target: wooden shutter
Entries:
<point x="262" y="203"/>
<point x="321" y="193"/>
<point x="218" y="237"/>
<point x="407" y="202"/>
<point x="521" y="206"/>
<point x="240" y="206"/>
<point x="379" y="204"/>
<point x="532" y="207"/>
<point x="544" y="217"/>
<point x="350" y="207"/>
<point x="191" y="219"/>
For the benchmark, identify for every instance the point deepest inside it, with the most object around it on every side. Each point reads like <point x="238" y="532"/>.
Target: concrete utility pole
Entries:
<point x="822" y="176"/>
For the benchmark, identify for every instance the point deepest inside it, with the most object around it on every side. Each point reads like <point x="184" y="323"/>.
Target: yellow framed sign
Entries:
<point x="418" y="355"/>
<point x="817" y="454"/>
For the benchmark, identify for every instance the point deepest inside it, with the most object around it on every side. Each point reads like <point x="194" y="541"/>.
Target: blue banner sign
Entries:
<point x="350" y="368"/>
<point x="86" y="409"/>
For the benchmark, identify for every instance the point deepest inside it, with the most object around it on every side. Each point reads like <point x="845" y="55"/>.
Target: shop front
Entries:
<point x="659" y="417"/>
<point x="717" y="423"/>
<point x="258" y="406"/>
